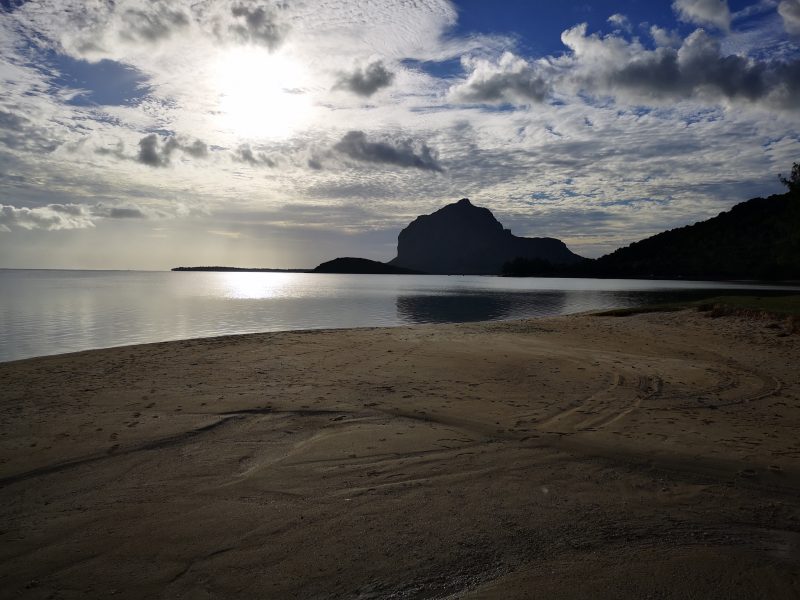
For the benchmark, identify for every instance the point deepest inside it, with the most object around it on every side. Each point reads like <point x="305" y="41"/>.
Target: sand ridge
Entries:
<point x="647" y="456"/>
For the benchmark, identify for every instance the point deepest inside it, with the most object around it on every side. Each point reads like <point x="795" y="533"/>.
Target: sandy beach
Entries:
<point x="650" y="456"/>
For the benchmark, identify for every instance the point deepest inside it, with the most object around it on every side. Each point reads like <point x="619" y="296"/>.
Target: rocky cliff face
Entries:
<point x="465" y="239"/>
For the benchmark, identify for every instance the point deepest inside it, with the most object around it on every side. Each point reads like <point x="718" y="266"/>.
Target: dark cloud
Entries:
<point x="20" y="133"/>
<point x="245" y="154"/>
<point x="152" y="26"/>
<point x="197" y="149"/>
<point x="367" y="81"/>
<point x="401" y="153"/>
<point x="511" y="79"/>
<point x="11" y="121"/>
<point x="697" y="69"/>
<point x="11" y="5"/>
<point x="257" y="25"/>
<point x="126" y="213"/>
<point x="150" y="153"/>
<point x="117" y="212"/>
<point x="157" y="153"/>
<point x="74" y="210"/>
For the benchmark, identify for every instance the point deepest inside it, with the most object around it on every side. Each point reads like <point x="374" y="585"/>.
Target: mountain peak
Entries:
<point x="462" y="238"/>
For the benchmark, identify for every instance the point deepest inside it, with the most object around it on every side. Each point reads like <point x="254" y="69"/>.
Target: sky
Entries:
<point x="147" y="134"/>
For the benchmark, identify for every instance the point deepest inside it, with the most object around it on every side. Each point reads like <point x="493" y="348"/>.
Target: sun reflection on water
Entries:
<point x="256" y="286"/>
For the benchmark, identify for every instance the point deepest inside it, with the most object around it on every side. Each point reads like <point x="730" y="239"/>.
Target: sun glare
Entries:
<point x="255" y="286"/>
<point x="260" y="93"/>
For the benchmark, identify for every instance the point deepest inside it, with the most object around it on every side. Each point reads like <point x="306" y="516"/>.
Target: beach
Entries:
<point x="648" y="456"/>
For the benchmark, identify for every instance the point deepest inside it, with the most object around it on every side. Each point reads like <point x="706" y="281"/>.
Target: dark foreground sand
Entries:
<point x="654" y="456"/>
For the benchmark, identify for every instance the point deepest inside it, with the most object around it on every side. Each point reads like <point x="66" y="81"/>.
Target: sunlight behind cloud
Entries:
<point x="261" y="94"/>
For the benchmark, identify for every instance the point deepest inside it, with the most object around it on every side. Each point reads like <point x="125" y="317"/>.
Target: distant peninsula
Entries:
<point x="240" y="269"/>
<point x="362" y="266"/>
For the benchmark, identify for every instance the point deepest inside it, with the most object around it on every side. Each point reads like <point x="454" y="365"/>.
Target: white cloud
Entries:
<point x="665" y="37"/>
<point x="704" y="12"/>
<point x="620" y="21"/>
<point x="509" y="79"/>
<point x="50" y="217"/>
<point x="789" y="11"/>
<point x="758" y="8"/>
<point x="406" y="153"/>
<point x="365" y="81"/>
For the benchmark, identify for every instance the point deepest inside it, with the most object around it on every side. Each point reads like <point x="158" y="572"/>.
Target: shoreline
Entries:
<point x="576" y="456"/>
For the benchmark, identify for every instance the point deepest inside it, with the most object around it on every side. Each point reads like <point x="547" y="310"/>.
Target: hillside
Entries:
<point x="757" y="239"/>
<point x="363" y="266"/>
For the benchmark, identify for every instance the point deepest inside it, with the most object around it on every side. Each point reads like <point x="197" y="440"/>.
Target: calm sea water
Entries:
<point x="50" y="312"/>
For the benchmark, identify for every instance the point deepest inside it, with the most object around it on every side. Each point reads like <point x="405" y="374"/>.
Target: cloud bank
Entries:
<point x="400" y="153"/>
<point x="156" y="152"/>
<point x="698" y="69"/>
<point x="55" y="217"/>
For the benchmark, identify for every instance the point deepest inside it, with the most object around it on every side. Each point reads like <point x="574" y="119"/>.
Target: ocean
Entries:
<point x="46" y="312"/>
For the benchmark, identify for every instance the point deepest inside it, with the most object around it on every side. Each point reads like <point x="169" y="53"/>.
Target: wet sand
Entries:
<point x="652" y="456"/>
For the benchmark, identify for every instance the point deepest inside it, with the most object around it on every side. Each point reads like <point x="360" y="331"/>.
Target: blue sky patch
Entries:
<point x="444" y="68"/>
<point x="538" y="25"/>
<point x="105" y="82"/>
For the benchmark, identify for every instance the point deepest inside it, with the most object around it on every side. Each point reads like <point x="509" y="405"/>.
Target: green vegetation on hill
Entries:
<point x="757" y="239"/>
<point x="363" y="266"/>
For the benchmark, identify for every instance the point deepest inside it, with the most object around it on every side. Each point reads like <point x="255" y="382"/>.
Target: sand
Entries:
<point x="651" y="456"/>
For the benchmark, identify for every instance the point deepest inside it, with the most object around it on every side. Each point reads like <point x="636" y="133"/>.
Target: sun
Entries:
<point x="261" y="94"/>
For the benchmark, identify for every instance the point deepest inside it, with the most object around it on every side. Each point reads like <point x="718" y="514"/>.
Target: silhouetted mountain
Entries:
<point x="757" y="239"/>
<point x="465" y="239"/>
<point x="362" y="266"/>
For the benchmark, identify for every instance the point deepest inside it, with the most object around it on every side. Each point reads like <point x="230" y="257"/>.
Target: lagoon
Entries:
<point x="45" y="312"/>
